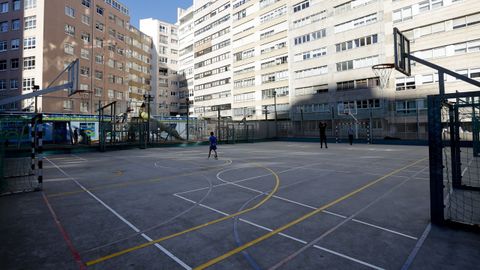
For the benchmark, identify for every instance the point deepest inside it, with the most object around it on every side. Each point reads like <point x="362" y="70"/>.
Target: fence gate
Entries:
<point x="20" y="172"/>
<point x="454" y="159"/>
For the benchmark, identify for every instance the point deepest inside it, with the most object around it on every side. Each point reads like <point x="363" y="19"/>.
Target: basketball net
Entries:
<point x="383" y="72"/>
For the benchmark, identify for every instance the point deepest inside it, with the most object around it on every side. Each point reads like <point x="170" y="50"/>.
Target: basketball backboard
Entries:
<point x="73" y="74"/>
<point x="402" y="51"/>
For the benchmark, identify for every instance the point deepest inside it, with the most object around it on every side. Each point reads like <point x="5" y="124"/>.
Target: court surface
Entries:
<point x="274" y="205"/>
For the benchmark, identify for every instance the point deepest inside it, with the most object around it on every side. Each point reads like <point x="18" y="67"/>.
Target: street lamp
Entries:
<point x="35" y="88"/>
<point x="275" y="109"/>
<point x="188" y="112"/>
<point x="148" y="98"/>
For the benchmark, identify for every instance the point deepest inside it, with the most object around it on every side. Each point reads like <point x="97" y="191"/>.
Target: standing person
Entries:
<point x="350" y="135"/>
<point x="75" y="136"/>
<point x="323" y="136"/>
<point x="213" y="145"/>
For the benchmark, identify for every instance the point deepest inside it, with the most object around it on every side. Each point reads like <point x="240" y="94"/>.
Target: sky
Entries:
<point x="165" y="10"/>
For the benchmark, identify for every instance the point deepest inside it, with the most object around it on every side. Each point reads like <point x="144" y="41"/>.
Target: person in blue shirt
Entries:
<point x="213" y="145"/>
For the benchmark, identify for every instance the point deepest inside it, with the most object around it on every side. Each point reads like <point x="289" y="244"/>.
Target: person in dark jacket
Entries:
<point x="213" y="145"/>
<point x="323" y="136"/>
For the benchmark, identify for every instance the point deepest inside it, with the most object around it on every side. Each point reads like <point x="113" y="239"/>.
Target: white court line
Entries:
<point x="286" y="235"/>
<point x="79" y="157"/>
<point x="254" y="177"/>
<point x="315" y="208"/>
<point x="235" y="183"/>
<point x="56" y="179"/>
<point x="133" y="227"/>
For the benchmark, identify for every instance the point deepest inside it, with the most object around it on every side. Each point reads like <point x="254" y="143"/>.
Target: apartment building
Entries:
<point x="333" y="47"/>
<point x="212" y="58"/>
<point x="12" y="23"/>
<point x="186" y="57"/>
<point x="315" y="58"/>
<point x="168" y="98"/>
<point x="260" y="59"/>
<point x="56" y="32"/>
<point x="445" y="32"/>
<point x="139" y="51"/>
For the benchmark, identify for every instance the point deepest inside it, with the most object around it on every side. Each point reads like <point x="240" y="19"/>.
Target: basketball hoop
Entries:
<point x="383" y="72"/>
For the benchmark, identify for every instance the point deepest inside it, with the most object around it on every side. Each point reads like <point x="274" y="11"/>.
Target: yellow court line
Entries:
<point x="294" y="222"/>
<point x="153" y="180"/>
<point x="125" y="251"/>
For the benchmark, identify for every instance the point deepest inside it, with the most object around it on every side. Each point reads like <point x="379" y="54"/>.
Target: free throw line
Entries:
<point x="294" y="222"/>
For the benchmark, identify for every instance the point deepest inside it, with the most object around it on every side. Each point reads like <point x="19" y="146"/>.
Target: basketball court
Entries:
<point x="266" y="205"/>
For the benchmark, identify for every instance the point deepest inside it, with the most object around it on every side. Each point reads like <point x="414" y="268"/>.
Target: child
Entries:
<point x="213" y="145"/>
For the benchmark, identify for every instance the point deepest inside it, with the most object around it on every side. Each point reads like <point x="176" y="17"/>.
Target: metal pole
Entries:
<point x="301" y="123"/>
<point x="218" y="123"/>
<point x="35" y="89"/>
<point x="188" y="110"/>
<point x="333" y="121"/>
<point x="436" y="159"/>
<point x="418" y="122"/>
<point x="147" y="98"/>
<point x="114" y="124"/>
<point x="275" y="108"/>
<point x="370" y="125"/>
<point x="441" y="82"/>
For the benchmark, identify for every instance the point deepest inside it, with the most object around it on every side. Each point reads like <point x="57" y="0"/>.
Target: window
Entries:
<point x="426" y="79"/>
<point x="30" y="22"/>
<point x="3" y="45"/>
<point x="475" y="73"/>
<point x="437" y="4"/>
<point x="4" y="7"/>
<point x="86" y="3"/>
<point x="29" y="63"/>
<point x="85" y="37"/>
<point x="16" y="4"/>
<point x="98" y="42"/>
<point x="28" y="84"/>
<point x="311" y="72"/>
<point x="15" y="25"/>
<point x="68" y="49"/>
<point x="84" y="107"/>
<point x="85" y="19"/>
<point x="279" y="92"/>
<point x="98" y="74"/>
<point x="68" y="104"/>
<point x="403" y="14"/>
<point x="3" y="85"/>
<point x="99" y="26"/>
<point x="4" y="26"/>
<point x="473" y="46"/>
<point x="84" y="71"/>
<point x="405" y="83"/>
<point x="98" y="91"/>
<point x="29" y="43"/>
<point x="310" y="37"/>
<point x="69" y="30"/>
<point x="111" y="93"/>
<point x="69" y="11"/>
<point x="15" y="44"/>
<point x="85" y="54"/>
<point x="13" y="84"/>
<point x="29" y="4"/>
<point x="424" y="6"/>
<point x="99" y="59"/>
<point x="359" y="22"/>
<point x="301" y="6"/>
<point x="3" y="65"/>
<point x="100" y="11"/>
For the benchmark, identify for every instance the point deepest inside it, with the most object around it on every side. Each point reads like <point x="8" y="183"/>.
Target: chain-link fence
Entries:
<point x="454" y="160"/>
<point x="18" y="163"/>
